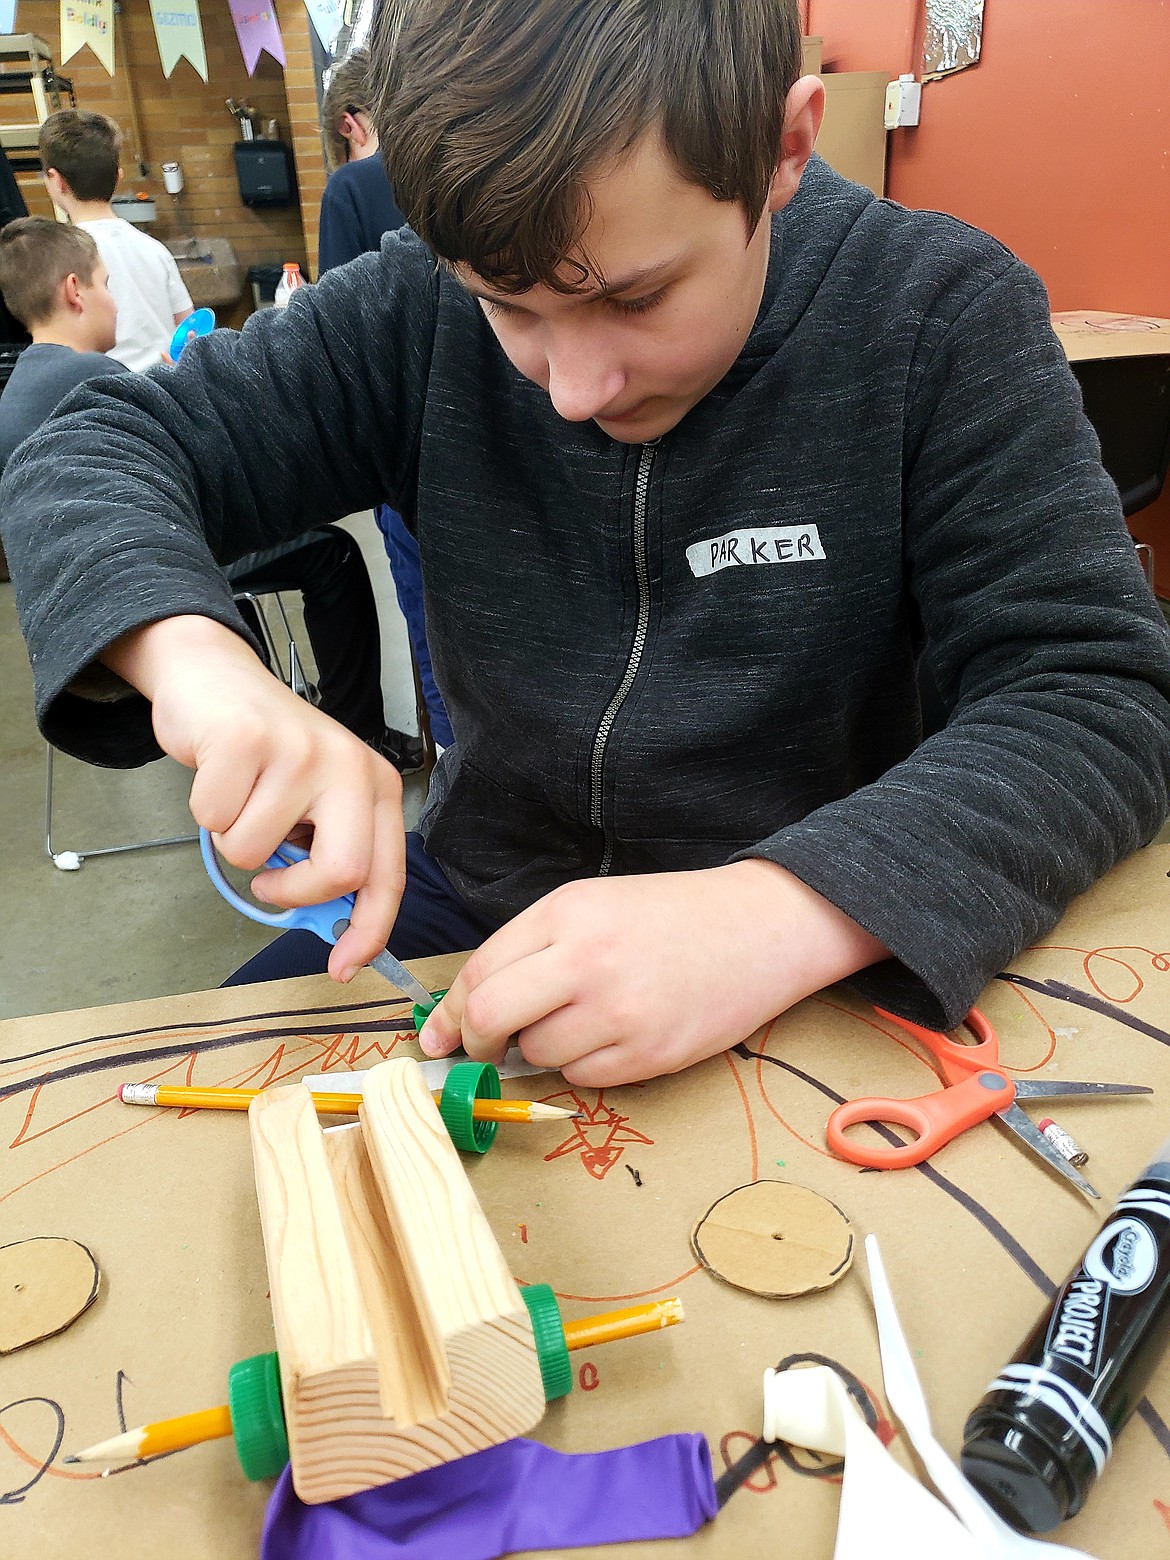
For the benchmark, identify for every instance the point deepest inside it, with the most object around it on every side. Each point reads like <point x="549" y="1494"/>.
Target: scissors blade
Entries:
<point x="1027" y="1089"/>
<point x="396" y="973"/>
<point x="1029" y="1133"/>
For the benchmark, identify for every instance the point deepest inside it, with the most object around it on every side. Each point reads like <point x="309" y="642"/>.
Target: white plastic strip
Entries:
<point x="904" y="1392"/>
<point x="434" y="1072"/>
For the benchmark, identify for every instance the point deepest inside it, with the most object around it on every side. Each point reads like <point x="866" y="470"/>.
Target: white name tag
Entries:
<point x="766" y="544"/>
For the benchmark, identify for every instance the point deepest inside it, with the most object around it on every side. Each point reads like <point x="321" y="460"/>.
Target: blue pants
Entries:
<point x="432" y="919"/>
<point x="406" y="572"/>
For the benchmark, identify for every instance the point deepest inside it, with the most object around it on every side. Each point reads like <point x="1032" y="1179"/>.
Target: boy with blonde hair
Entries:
<point x="54" y="281"/>
<point x="705" y="448"/>
<point x="79" y="158"/>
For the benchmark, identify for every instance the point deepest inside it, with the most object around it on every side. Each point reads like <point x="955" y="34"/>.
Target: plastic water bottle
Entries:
<point x="1036" y="1444"/>
<point x="291" y="279"/>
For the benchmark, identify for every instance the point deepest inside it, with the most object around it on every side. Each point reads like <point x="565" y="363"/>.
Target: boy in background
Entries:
<point x="357" y="209"/>
<point x="358" y="204"/>
<point x="705" y="448"/>
<point x="79" y="159"/>
<point x="55" y="282"/>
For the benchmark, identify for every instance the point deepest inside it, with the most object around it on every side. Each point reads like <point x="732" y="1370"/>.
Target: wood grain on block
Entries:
<point x="403" y="1340"/>
<point x="45" y="1284"/>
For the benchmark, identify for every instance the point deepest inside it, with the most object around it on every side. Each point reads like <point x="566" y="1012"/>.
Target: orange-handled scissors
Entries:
<point x="976" y="1089"/>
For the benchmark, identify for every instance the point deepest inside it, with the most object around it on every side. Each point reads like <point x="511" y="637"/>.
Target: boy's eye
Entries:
<point x="637" y="305"/>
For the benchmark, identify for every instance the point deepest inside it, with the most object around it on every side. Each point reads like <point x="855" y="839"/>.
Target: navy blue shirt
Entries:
<point x="356" y="209"/>
<point x="44" y="375"/>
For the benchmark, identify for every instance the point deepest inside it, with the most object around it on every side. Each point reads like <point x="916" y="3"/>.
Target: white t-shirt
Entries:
<point x="147" y="288"/>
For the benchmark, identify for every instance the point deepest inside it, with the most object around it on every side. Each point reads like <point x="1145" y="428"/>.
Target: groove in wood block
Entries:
<point x="403" y="1339"/>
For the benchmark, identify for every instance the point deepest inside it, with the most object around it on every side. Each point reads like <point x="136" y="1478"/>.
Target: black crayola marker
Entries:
<point x="1042" y="1434"/>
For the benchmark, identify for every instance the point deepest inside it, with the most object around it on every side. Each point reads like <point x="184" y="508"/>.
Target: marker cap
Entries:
<point x="258" y="1416"/>
<point x="1018" y="1474"/>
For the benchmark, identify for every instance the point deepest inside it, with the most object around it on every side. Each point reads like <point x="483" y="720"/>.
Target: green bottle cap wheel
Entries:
<point x="258" y="1416"/>
<point x="551" y="1350"/>
<point x="423" y="1010"/>
<point x="466" y="1083"/>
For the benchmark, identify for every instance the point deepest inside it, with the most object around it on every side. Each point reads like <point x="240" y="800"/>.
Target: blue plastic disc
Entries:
<point x="201" y="323"/>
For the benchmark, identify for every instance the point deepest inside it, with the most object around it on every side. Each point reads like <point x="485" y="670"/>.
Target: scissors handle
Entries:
<point x="958" y="1060"/>
<point x="320" y="919"/>
<point x="936" y="1118"/>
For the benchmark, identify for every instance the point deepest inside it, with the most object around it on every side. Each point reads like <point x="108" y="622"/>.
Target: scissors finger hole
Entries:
<point x="898" y="1134"/>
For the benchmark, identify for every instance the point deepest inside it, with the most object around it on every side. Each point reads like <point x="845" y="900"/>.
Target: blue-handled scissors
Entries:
<point x="327" y="921"/>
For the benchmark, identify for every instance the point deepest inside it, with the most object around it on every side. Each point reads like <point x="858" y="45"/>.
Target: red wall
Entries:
<point x="1058" y="142"/>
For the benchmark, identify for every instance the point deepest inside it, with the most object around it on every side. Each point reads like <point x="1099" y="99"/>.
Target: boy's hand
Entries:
<point x="613" y="980"/>
<point x="267" y="764"/>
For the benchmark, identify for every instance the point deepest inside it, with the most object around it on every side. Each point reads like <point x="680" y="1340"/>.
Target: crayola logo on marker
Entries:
<point x="1076" y="1327"/>
<point x="1124" y="1256"/>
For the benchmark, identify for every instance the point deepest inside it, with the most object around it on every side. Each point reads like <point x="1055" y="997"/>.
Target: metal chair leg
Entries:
<point x="1146" y="556"/>
<point x="72" y="860"/>
<point x="423" y="716"/>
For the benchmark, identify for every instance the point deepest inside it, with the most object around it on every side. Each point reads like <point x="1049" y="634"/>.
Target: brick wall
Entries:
<point x="184" y="120"/>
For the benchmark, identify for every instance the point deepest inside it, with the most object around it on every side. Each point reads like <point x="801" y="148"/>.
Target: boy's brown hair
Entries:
<point x="84" y="148"/>
<point x="491" y="114"/>
<point x="36" y="255"/>
<point x="349" y="92"/>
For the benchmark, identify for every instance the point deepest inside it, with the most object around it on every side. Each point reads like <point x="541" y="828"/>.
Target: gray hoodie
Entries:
<point x="676" y="655"/>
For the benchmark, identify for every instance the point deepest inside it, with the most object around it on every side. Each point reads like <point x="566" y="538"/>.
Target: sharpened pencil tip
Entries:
<point x="71" y="1459"/>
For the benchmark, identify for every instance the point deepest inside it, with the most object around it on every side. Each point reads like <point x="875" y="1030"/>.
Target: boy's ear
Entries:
<point x="70" y="296"/>
<point x="804" y="109"/>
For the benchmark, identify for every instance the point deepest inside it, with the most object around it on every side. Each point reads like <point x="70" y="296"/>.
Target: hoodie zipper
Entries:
<point x="642" y="575"/>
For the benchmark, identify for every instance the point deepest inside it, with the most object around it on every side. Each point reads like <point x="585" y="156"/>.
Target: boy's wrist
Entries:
<point x="800" y="932"/>
<point x="144" y="656"/>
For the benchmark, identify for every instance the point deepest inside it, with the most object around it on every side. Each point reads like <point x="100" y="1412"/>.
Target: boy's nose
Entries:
<point x="580" y="386"/>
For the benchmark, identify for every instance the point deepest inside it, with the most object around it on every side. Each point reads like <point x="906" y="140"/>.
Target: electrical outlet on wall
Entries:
<point x="903" y="102"/>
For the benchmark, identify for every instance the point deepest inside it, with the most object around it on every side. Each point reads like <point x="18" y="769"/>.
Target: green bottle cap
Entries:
<point x="258" y="1416"/>
<point x="466" y="1083"/>
<point x="556" y="1372"/>
<point x="423" y="1010"/>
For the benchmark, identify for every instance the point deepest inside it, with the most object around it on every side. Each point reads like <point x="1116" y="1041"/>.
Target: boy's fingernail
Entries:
<point x="429" y="1041"/>
<point x="348" y="973"/>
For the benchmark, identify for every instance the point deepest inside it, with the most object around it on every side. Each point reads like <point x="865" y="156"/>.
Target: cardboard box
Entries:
<point x="853" y="136"/>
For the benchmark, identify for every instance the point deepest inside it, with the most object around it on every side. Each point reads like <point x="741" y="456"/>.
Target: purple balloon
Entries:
<point x="516" y="1496"/>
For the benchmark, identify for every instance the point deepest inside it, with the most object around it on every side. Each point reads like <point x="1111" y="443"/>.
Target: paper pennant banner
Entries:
<point x="7" y="16"/>
<point x="257" y="29"/>
<point x="88" y="21"/>
<point x="179" y="33"/>
<point x="325" y="16"/>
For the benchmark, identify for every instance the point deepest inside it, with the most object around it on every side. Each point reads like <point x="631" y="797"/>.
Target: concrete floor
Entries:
<point x="147" y="923"/>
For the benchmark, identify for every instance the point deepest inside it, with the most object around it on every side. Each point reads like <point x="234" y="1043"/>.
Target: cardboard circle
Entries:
<point x="45" y="1284"/>
<point x="775" y="1239"/>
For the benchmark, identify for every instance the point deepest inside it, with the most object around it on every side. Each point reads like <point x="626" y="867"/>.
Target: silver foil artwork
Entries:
<point x="954" y="32"/>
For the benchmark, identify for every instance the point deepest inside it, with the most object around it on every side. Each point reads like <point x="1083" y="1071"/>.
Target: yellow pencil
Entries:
<point x="183" y="1097"/>
<point x="168" y="1435"/>
<point x="635" y="1319"/>
<point x="171" y="1435"/>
